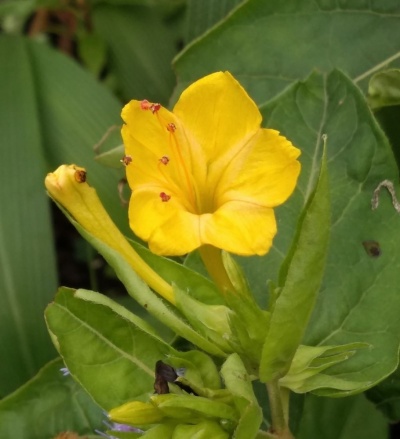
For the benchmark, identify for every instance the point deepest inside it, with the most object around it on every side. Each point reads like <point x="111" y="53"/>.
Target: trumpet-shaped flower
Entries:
<point x="206" y="173"/>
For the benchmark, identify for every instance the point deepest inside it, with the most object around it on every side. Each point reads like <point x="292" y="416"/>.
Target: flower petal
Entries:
<point x="217" y="114"/>
<point x="150" y="137"/>
<point x="145" y="129"/>
<point x="167" y="226"/>
<point x="240" y="227"/>
<point x="264" y="172"/>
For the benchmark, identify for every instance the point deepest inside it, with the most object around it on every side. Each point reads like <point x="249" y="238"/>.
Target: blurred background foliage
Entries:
<point x="67" y="67"/>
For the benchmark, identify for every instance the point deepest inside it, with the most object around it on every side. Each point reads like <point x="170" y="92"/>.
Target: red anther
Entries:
<point x="126" y="160"/>
<point x="164" y="160"/>
<point x="171" y="127"/>
<point x="155" y="107"/>
<point x="145" y="104"/>
<point x="164" y="197"/>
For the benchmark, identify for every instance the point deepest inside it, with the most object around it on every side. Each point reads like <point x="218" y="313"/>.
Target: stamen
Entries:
<point x="126" y="160"/>
<point x="171" y="127"/>
<point x="177" y="150"/>
<point x="164" y="197"/>
<point x="177" y="158"/>
<point x="164" y="160"/>
<point x="155" y="107"/>
<point x="146" y="105"/>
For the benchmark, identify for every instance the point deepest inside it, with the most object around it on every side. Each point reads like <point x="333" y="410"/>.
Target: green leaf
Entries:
<point x="200" y="369"/>
<point x="357" y="289"/>
<point x="14" y="13"/>
<point x="309" y="363"/>
<point x="345" y="418"/>
<point x="200" y="16"/>
<point x="103" y="349"/>
<point x="384" y="89"/>
<point x="301" y="277"/>
<point x="249" y="422"/>
<point x="145" y="297"/>
<point x="27" y="259"/>
<point x="75" y="112"/>
<point x="386" y="396"/>
<point x="238" y="382"/>
<point x="213" y="321"/>
<point x="236" y="378"/>
<point x="92" y="51"/>
<point x="48" y="404"/>
<point x="198" y="286"/>
<point x="112" y="158"/>
<point x="141" y="48"/>
<point x="388" y="118"/>
<point x="259" y="43"/>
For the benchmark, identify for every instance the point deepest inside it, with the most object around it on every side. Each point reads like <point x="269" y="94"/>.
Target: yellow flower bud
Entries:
<point x="68" y="187"/>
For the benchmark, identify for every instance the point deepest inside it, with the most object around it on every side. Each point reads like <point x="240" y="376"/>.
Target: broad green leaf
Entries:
<point x="345" y="418"/>
<point x="267" y="45"/>
<point x="301" y="276"/>
<point x="27" y="259"/>
<point x="386" y="396"/>
<point x="388" y="118"/>
<point x="48" y="404"/>
<point x="201" y="16"/>
<point x="358" y="301"/>
<point x="384" y="89"/>
<point x="75" y="112"/>
<point x="357" y="289"/>
<point x="145" y="297"/>
<point x="104" y="350"/>
<point x="141" y="48"/>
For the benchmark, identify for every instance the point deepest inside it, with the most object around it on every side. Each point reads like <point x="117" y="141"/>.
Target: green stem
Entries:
<point x="278" y="418"/>
<point x="212" y="259"/>
<point x="264" y="434"/>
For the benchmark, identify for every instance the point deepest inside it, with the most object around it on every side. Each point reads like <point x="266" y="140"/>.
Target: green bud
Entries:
<point x="186" y="406"/>
<point x="136" y="413"/>
<point x="203" y="430"/>
<point x="161" y="431"/>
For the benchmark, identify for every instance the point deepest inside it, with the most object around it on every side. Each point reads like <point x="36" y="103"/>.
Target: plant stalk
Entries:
<point x="279" y="421"/>
<point x="212" y="259"/>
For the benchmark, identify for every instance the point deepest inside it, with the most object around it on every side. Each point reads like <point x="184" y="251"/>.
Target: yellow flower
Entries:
<point x="206" y="173"/>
